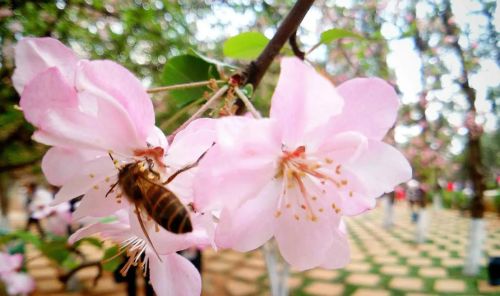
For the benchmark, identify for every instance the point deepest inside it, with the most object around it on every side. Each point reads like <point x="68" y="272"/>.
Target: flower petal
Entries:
<point x="173" y="275"/>
<point x="342" y="147"/>
<point x="249" y="136"/>
<point x="303" y="242"/>
<point x="91" y="174"/>
<point x="109" y="78"/>
<point x="227" y="179"/>
<point x="371" y="107"/>
<point x="157" y="138"/>
<point x="380" y="168"/>
<point x="246" y="150"/>
<point x="354" y="197"/>
<point x="189" y="144"/>
<point x="35" y="55"/>
<point x="95" y="203"/>
<point x="338" y="255"/>
<point x="118" y="232"/>
<point x="303" y="101"/>
<point x="252" y="224"/>
<point x="54" y="107"/>
<point x="61" y="164"/>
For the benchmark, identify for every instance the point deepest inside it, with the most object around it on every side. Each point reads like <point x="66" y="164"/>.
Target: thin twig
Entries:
<point x="313" y="48"/>
<point x="172" y="119"/>
<point x="247" y="102"/>
<point x="202" y="110"/>
<point x="181" y="86"/>
<point x="347" y="58"/>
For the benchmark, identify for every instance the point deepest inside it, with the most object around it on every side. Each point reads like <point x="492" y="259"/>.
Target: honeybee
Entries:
<point x="143" y="188"/>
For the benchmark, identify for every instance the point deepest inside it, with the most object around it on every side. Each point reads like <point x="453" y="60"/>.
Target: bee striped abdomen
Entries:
<point x="168" y="211"/>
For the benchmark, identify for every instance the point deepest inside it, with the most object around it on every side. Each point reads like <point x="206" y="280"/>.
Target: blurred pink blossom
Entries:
<point x="16" y="283"/>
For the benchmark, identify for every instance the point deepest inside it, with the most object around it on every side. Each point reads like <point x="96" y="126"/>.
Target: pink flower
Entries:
<point x="292" y="176"/>
<point x="17" y="283"/>
<point x="58" y="217"/>
<point x="10" y="263"/>
<point x="170" y="273"/>
<point x="92" y="104"/>
<point x="85" y="109"/>
<point x="89" y="110"/>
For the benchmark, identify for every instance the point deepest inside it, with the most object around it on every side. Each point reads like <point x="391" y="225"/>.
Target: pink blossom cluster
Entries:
<point x="292" y="176"/>
<point x="15" y="282"/>
<point x="57" y="217"/>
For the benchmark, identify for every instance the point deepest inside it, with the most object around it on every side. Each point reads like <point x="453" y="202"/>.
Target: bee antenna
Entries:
<point x="115" y="162"/>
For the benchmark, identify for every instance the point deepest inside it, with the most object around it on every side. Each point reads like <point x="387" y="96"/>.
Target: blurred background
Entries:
<point x="437" y="234"/>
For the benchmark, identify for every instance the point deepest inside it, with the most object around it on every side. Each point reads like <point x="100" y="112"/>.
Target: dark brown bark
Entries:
<point x="256" y="70"/>
<point x="475" y="167"/>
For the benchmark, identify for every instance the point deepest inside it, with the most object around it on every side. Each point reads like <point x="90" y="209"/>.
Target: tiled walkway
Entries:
<point x="384" y="262"/>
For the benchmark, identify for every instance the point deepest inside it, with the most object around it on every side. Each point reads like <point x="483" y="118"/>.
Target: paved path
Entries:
<point x="384" y="262"/>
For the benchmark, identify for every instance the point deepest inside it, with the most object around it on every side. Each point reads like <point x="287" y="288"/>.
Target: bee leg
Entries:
<point x="151" y="166"/>
<point x="111" y="189"/>
<point x="187" y="167"/>
<point x="143" y="227"/>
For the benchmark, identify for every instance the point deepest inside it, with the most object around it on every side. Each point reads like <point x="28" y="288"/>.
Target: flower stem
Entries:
<point x="277" y="268"/>
<point x="247" y="102"/>
<point x="178" y="114"/>
<point x="182" y="86"/>
<point x="202" y="110"/>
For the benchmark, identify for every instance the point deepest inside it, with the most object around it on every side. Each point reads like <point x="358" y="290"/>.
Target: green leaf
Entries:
<point x="90" y="240"/>
<point x="26" y="237"/>
<point x="335" y="34"/>
<point x="245" y="46"/>
<point x="56" y="249"/>
<point x="185" y="69"/>
<point x="248" y="90"/>
<point x="69" y="263"/>
<point x="109" y="264"/>
<point x="211" y="60"/>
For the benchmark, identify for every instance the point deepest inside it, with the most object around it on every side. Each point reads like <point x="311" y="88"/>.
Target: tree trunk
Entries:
<point x="4" y="201"/>
<point x="474" y="164"/>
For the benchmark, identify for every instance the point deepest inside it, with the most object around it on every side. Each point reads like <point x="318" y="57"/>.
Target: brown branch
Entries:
<point x="256" y="70"/>
<point x="295" y="47"/>
<point x="65" y="278"/>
